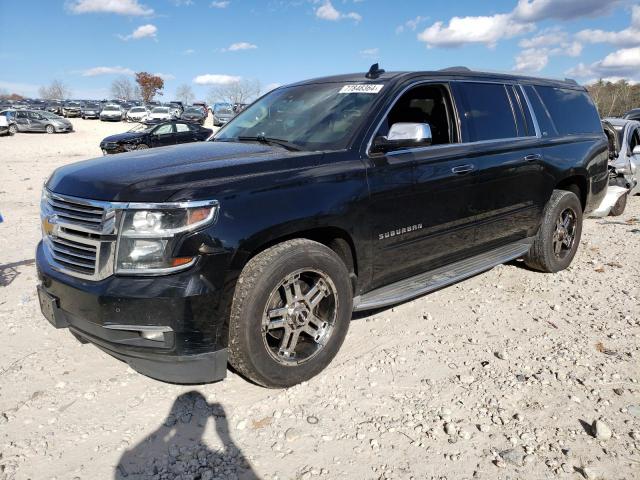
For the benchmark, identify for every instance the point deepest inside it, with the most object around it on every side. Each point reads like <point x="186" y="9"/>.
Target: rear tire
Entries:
<point x="558" y="238"/>
<point x="142" y="146"/>
<point x="290" y="314"/>
<point x="618" y="208"/>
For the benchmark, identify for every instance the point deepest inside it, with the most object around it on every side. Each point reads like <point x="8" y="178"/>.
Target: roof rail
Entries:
<point x="459" y="68"/>
<point x="571" y="80"/>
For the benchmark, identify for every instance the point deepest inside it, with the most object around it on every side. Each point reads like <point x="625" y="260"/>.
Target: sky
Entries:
<point x="207" y="43"/>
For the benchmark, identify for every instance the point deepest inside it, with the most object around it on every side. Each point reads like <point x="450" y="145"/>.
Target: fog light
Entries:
<point x="153" y="335"/>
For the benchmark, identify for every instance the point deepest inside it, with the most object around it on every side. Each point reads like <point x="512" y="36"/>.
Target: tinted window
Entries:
<point x="546" y="125"/>
<point x="181" y="127"/>
<point x="164" y="129"/>
<point x="485" y="112"/>
<point x="572" y="111"/>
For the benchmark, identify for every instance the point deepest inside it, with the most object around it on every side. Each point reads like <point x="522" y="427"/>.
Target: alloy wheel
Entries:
<point x="299" y="316"/>
<point x="565" y="232"/>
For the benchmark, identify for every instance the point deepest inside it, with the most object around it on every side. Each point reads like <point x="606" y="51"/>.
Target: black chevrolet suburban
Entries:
<point x="323" y="197"/>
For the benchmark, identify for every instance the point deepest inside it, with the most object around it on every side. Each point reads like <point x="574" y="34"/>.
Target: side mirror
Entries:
<point x="404" y="135"/>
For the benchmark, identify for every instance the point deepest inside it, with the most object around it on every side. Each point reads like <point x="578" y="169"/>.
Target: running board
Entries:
<point x="433" y="280"/>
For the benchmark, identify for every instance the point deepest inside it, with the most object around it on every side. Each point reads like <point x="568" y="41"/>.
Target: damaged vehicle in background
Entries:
<point x="112" y="113"/>
<point x="159" y="114"/>
<point x="41" y="121"/>
<point x="8" y="125"/>
<point x="624" y="159"/>
<point x="142" y="137"/>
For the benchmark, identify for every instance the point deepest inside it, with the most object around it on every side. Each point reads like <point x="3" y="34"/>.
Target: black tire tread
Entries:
<point x="538" y="257"/>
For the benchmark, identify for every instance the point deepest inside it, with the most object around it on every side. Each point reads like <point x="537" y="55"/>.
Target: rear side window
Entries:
<point x="546" y="125"/>
<point x="572" y="111"/>
<point x="485" y="111"/>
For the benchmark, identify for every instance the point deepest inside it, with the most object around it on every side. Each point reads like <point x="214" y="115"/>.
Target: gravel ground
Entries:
<point x="510" y="374"/>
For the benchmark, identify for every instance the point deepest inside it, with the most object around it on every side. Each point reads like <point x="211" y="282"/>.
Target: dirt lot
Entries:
<point x="500" y="376"/>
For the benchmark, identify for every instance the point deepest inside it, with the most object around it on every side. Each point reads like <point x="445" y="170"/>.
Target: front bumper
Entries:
<point x="114" y="313"/>
<point x="63" y="129"/>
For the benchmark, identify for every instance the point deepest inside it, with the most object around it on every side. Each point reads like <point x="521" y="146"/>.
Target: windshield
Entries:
<point x="312" y="117"/>
<point x="160" y="110"/>
<point x="111" y="108"/>
<point x="142" y="128"/>
<point x="72" y="104"/>
<point x="193" y="110"/>
<point x="223" y="108"/>
<point x="138" y="109"/>
<point x="91" y="106"/>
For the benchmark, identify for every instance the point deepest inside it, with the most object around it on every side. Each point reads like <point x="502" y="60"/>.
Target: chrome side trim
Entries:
<point x="141" y="328"/>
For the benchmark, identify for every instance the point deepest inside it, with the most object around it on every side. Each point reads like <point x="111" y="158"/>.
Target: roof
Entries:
<point x="460" y="73"/>
<point x="618" y="122"/>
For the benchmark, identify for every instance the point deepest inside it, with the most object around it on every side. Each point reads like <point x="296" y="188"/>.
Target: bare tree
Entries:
<point x="122" y="88"/>
<point x="56" y="90"/>
<point x="614" y="99"/>
<point x="243" y="91"/>
<point x="184" y="93"/>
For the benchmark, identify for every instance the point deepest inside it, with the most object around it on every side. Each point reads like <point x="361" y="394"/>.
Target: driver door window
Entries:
<point x="164" y="130"/>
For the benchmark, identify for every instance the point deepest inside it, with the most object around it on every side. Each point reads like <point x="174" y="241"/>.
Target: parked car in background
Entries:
<point x="71" y="109"/>
<point x="111" y="113"/>
<point x="203" y="106"/>
<point x="41" y="121"/>
<point x="137" y="114"/>
<point x="8" y="119"/>
<point x="54" y="107"/>
<point x="239" y="107"/>
<point x="90" y="110"/>
<point x="352" y="192"/>
<point x="633" y="114"/>
<point x="194" y="115"/>
<point x="141" y="137"/>
<point x="176" y="107"/>
<point x="158" y="114"/>
<point x="222" y="113"/>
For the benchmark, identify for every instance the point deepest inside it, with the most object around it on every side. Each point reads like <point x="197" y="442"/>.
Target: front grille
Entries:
<point x="79" y="235"/>
<point x="79" y="257"/>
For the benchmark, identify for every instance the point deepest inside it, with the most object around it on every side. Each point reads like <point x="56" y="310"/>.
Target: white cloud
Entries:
<point x="536" y="10"/>
<point x="628" y="37"/>
<point x="95" y="71"/>
<point x="411" y="24"/>
<point x="143" y="31"/>
<point x="220" y="4"/>
<point x="120" y="7"/>
<point x="462" y="30"/>
<point x="215" y="79"/>
<point x="235" y="47"/>
<point x="537" y="50"/>
<point x="327" y="11"/>
<point x="188" y="51"/>
<point x="623" y="63"/>
<point x="165" y="76"/>
<point x="370" y="52"/>
<point x="181" y="3"/>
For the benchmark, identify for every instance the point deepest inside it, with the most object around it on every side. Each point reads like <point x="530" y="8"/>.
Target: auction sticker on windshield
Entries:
<point x="361" y="88"/>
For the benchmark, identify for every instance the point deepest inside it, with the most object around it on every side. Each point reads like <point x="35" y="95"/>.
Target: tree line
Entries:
<point x="613" y="99"/>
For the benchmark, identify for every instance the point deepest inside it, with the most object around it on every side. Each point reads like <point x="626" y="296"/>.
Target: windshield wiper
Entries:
<point x="269" y="140"/>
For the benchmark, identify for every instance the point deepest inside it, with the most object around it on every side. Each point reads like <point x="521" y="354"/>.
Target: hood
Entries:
<point x="156" y="174"/>
<point x="122" y="137"/>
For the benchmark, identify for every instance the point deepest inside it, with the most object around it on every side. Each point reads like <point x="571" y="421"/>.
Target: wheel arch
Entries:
<point x="577" y="184"/>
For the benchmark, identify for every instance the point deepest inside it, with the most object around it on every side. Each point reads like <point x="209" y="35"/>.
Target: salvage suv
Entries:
<point x="324" y="197"/>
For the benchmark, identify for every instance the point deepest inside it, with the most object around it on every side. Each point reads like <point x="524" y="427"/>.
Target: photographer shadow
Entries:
<point x="177" y="448"/>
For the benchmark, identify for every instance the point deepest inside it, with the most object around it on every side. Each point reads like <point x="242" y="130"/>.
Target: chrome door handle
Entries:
<point x="533" y="157"/>
<point x="462" y="169"/>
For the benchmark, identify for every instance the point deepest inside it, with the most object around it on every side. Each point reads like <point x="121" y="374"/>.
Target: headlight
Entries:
<point x="150" y="233"/>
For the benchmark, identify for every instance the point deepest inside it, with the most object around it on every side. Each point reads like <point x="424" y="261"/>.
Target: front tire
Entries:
<point x="50" y="129"/>
<point x="290" y="313"/>
<point x="142" y="146"/>
<point x="618" y="208"/>
<point x="13" y="129"/>
<point x="558" y="238"/>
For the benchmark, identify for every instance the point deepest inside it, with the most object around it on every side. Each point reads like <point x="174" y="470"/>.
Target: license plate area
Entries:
<point x="50" y="308"/>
